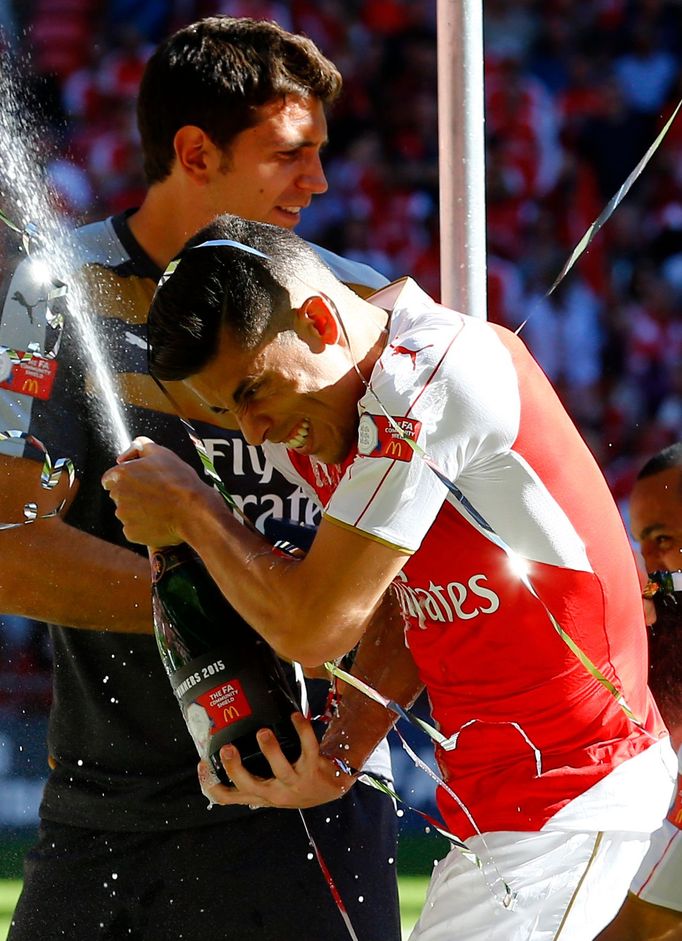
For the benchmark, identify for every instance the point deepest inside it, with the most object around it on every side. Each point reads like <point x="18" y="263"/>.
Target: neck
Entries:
<point x="165" y="221"/>
<point x="374" y="323"/>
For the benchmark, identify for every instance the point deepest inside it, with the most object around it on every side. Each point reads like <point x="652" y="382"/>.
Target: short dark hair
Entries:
<point x="224" y="287"/>
<point x="666" y="459"/>
<point x="215" y="73"/>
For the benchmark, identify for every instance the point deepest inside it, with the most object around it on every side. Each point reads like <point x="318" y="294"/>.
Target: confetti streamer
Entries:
<point x="606" y="212"/>
<point x="498" y="887"/>
<point x="50" y="475"/>
<point x="330" y="882"/>
<point x="207" y="464"/>
<point x="211" y="243"/>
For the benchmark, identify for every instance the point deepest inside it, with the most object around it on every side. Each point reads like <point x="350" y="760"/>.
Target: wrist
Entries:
<point x="198" y="513"/>
<point x="341" y="767"/>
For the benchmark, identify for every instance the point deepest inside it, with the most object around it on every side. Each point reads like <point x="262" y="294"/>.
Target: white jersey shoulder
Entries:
<point x="97" y="242"/>
<point x="349" y="271"/>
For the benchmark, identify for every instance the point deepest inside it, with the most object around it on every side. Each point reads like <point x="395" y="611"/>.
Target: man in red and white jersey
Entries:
<point x="447" y="466"/>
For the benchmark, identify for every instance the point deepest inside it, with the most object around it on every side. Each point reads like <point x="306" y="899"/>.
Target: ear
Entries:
<point x="194" y="152"/>
<point x="316" y="313"/>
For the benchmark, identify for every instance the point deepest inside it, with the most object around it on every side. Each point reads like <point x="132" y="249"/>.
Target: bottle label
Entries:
<point x="225" y="704"/>
<point x="211" y="699"/>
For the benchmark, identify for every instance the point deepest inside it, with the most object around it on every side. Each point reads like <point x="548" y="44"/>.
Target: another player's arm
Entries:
<point x="639" y="920"/>
<point x="52" y="572"/>
<point x="384" y="662"/>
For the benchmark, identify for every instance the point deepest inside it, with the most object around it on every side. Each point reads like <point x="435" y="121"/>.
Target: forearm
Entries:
<point x="310" y="610"/>
<point x="292" y="609"/>
<point x="384" y="663"/>
<point x="53" y="572"/>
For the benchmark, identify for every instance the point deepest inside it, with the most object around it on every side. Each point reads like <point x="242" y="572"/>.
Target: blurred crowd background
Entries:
<point x="575" y="92"/>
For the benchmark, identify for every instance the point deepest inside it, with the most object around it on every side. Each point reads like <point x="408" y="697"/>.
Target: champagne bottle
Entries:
<point x="227" y="679"/>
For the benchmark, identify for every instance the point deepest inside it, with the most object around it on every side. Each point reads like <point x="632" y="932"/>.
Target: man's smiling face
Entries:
<point x="272" y="170"/>
<point x="656" y="519"/>
<point x="285" y="392"/>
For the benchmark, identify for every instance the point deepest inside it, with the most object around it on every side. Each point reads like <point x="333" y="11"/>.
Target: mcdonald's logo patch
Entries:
<point x="378" y="436"/>
<point x="225" y="704"/>
<point x="33" y="377"/>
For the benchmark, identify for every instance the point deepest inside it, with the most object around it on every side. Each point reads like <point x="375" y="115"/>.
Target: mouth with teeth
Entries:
<point x="288" y="215"/>
<point x="299" y="437"/>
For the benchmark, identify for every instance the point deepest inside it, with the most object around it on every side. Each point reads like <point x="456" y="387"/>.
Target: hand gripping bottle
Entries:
<point x="228" y="681"/>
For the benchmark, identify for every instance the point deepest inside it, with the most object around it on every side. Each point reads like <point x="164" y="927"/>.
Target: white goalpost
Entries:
<point x="461" y="155"/>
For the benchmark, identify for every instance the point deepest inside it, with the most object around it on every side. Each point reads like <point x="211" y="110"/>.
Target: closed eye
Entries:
<point x="244" y="394"/>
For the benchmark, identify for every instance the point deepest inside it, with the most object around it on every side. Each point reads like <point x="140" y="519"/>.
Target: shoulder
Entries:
<point x="451" y="372"/>
<point x="98" y="243"/>
<point x="352" y="273"/>
<point x="438" y="338"/>
<point x="93" y="244"/>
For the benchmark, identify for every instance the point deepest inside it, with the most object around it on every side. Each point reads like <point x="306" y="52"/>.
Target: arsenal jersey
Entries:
<point x="467" y="461"/>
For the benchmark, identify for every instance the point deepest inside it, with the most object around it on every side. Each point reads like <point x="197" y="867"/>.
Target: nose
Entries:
<point x="669" y="559"/>
<point x="254" y="427"/>
<point x="312" y="178"/>
<point x="655" y="558"/>
<point x="650" y="556"/>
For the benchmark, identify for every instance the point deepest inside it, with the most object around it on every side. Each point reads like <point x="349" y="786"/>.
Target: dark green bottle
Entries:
<point x="227" y="679"/>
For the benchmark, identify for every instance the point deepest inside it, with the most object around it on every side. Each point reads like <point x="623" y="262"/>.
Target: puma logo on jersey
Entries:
<point x="454" y="601"/>
<point x="29" y="308"/>
<point x="406" y="351"/>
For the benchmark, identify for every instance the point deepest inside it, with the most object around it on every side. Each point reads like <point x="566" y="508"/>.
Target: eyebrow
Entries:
<point x="648" y="530"/>
<point x="283" y="144"/>
<point x="237" y="396"/>
<point x="241" y="389"/>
